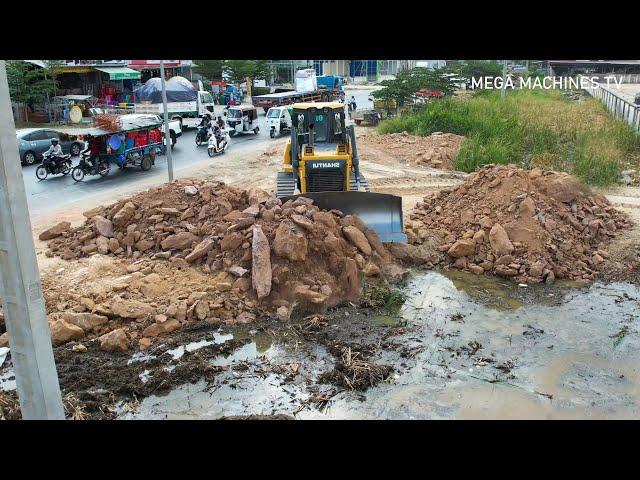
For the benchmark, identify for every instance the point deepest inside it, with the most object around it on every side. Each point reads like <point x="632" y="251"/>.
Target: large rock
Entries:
<point x="375" y="242"/>
<point x="303" y="222"/>
<point x="63" y="332"/>
<point x="326" y="219"/>
<point x="4" y="340"/>
<point x="102" y="244"/>
<point x="499" y="240"/>
<point x="131" y="309"/>
<point x="290" y="242"/>
<point x="114" y="341"/>
<point x="145" y="244"/>
<point x="413" y="254"/>
<point x="103" y="226"/>
<point x="257" y="195"/>
<point x="260" y="263"/>
<point x="357" y="238"/>
<point x="86" y="321"/>
<point x="231" y="241"/>
<point x="201" y="310"/>
<point x="462" y="248"/>
<point x="163" y="328"/>
<point x="55" y="231"/>
<point x="93" y="212"/>
<point x="353" y="279"/>
<point x="237" y="270"/>
<point x="527" y="207"/>
<point x="305" y="295"/>
<point x="122" y="216"/>
<point x="200" y="250"/>
<point x="561" y="186"/>
<point x="179" y="241"/>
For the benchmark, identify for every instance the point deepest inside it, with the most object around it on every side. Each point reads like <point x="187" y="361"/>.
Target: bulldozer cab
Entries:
<point x="319" y="123"/>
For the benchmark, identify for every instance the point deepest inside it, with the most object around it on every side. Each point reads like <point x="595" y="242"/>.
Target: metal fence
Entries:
<point x="617" y="106"/>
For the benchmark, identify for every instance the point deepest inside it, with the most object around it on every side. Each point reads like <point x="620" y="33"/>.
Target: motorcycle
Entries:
<point x="90" y="166"/>
<point x="201" y="135"/>
<point x="60" y="164"/>
<point x="217" y="147"/>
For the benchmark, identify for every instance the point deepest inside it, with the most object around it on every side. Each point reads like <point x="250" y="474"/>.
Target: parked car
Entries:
<point x="33" y="142"/>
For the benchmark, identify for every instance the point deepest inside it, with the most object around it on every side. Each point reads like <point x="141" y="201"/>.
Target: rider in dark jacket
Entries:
<point x="205" y="122"/>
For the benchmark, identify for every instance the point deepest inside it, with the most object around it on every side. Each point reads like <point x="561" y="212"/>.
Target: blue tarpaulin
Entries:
<point x="176" y="92"/>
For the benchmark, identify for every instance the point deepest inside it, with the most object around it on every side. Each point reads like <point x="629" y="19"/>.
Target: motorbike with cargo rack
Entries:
<point x="136" y="145"/>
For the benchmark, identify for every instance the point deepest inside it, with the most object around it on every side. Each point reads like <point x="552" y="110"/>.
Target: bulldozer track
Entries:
<point x="285" y="184"/>
<point x="364" y="183"/>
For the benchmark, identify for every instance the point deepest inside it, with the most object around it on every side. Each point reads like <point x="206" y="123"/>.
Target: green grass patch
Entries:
<point x="530" y="128"/>
<point x="383" y="297"/>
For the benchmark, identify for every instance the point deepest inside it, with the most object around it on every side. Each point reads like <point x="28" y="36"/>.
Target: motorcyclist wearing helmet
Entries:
<point x="54" y="153"/>
<point x="205" y="122"/>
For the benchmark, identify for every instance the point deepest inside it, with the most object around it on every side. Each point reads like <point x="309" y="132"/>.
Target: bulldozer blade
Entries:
<point x="379" y="211"/>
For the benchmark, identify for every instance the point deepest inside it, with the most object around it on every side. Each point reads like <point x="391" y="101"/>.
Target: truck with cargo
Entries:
<point x="332" y="83"/>
<point x="185" y="103"/>
<point x="306" y="90"/>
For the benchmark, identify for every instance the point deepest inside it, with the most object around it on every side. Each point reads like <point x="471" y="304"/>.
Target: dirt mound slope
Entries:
<point x="438" y="150"/>
<point x="531" y="226"/>
<point x="255" y="259"/>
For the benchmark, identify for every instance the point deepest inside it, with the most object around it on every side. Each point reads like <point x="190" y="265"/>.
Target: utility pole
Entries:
<point x="167" y="131"/>
<point x="20" y="287"/>
<point x="503" y="91"/>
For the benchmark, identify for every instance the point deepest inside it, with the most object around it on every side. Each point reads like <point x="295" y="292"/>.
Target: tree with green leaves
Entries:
<point x="262" y="70"/>
<point x="30" y="84"/>
<point x="209" y="69"/>
<point x="239" y="70"/>
<point x="469" y="69"/>
<point x="402" y="89"/>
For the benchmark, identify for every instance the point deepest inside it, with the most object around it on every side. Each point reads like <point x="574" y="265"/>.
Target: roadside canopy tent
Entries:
<point x="120" y="73"/>
<point x="151" y="92"/>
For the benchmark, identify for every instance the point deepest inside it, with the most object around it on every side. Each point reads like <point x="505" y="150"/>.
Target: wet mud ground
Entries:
<point x="461" y="346"/>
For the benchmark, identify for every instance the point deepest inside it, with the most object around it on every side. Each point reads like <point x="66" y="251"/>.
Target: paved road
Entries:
<point x="59" y="192"/>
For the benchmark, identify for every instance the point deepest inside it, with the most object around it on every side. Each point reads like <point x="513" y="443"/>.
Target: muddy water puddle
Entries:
<point x="472" y="347"/>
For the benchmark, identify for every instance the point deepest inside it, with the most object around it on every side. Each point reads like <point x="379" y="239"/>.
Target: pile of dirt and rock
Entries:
<point x="438" y="150"/>
<point x="256" y="259"/>
<point x="532" y="226"/>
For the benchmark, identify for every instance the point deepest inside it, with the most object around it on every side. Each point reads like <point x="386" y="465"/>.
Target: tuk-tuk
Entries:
<point x="371" y="117"/>
<point x="242" y="119"/>
<point x="279" y="120"/>
<point x="135" y="143"/>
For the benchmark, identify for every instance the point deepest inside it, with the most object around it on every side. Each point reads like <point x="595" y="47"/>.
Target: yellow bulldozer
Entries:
<point x="321" y="162"/>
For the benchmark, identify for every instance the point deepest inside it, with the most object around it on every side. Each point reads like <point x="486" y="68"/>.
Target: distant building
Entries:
<point x="585" y="67"/>
<point x="358" y="71"/>
<point x="431" y="63"/>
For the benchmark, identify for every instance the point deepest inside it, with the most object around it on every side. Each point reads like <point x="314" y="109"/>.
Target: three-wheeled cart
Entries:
<point x="370" y="117"/>
<point x="136" y="143"/>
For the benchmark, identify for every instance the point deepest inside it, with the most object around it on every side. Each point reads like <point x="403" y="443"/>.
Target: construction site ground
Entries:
<point x="461" y="346"/>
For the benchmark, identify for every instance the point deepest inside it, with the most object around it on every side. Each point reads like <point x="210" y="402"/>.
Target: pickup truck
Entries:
<point x="175" y="126"/>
